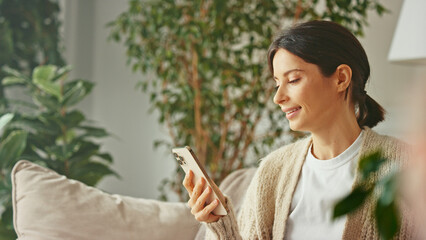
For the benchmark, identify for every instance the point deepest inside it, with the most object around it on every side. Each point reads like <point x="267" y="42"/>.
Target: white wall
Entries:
<point x="389" y="81"/>
<point x="117" y="106"/>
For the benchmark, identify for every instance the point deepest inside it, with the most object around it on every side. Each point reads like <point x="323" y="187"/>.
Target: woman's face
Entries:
<point x="309" y="99"/>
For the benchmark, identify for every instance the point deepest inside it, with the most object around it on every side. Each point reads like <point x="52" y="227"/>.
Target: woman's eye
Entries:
<point x="294" y="81"/>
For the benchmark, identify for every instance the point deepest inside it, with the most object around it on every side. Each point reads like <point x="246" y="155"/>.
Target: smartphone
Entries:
<point x="188" y="161"/>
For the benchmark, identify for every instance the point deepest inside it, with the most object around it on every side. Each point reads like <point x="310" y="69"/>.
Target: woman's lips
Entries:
<point x="291" y="112"/>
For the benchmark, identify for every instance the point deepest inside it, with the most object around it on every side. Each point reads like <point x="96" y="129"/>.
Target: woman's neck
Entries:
<point x="331" y="141"/>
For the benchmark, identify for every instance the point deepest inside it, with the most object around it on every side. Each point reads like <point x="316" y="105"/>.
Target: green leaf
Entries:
<point x="94" y="132"/>
<point x="12" y="147"/>
<point x="351" y="202"/>
<point x="380" y="9"/>
<point x="42" y="78"/>
<point x="13" y="72"/>
<point x="46" y="73"/>
<point x="90" y="173"/>
<point x="6" y="233"/>
<point x="387" y="219"/>
<point x="58" y="152"/>
<point x="75" y="94"/>
<point x="73" y="119"/>
<point x="389" y="184"/>
<point x="86" y="150"/>
<point x="370" y="164"/>
<point x="62" y="72"/>
<point x="47" y="101"/>
<point x="105" y="156"/>
<point x="8" y="81"/>
<point x="33" y="126"/>
<point x="7" y="215"/>
<point x="5" y="119"/>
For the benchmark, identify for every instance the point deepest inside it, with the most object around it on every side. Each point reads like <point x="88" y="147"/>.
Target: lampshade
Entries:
<point x="409" y="40"/>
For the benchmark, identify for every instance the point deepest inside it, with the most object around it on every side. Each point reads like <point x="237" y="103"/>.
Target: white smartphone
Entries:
<point x="188" y="161"/>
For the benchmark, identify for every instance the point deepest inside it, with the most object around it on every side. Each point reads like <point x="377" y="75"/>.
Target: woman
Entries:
<point x="320" y="70"/>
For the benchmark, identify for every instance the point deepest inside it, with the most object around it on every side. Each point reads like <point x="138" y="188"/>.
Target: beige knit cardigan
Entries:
<point x="266" y="206"/>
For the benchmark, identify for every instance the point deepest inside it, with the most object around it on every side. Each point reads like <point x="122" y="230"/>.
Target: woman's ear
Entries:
<point x="344" y="77"/>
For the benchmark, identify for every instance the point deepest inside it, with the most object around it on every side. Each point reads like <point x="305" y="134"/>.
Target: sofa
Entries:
<point x="49" y="206"/>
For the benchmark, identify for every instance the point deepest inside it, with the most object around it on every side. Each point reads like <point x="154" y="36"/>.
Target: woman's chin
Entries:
<point x="294" y="126"/>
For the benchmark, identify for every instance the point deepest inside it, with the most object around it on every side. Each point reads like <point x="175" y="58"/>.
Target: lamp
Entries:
<point x="409" y="40"/>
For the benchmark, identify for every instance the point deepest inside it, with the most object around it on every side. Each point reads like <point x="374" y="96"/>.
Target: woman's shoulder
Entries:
<point x="283" y="162"/>
<point x="286" y="155"/>
<point x="395" y="150"/>
<point x="388" y="145"/>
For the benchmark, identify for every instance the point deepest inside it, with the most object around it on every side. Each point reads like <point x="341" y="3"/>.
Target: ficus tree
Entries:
<point x="209" y="78"/>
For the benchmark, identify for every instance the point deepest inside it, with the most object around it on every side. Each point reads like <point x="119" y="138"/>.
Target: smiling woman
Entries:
<point x="306" y="96"/>
<point x="328" y="50"/>
<point x="320" y="70"/>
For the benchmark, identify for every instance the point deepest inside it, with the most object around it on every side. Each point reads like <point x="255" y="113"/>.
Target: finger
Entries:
<point x="201" y="201"/>
<point x="198" y="189"/>
<point x="187" y="182"/>
<point x="206" y="214"/>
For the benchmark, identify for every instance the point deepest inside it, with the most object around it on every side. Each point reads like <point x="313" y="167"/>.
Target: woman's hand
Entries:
<point x="198" y="197"/>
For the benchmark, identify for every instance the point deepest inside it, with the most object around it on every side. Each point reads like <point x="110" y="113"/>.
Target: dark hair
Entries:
<point x="328" y="45"/>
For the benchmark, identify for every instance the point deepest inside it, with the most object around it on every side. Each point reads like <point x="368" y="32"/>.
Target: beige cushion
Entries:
<point x="50" y="206"/>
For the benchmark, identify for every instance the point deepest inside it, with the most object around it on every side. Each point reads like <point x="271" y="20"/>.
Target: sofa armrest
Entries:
<point x="48" y="206"/>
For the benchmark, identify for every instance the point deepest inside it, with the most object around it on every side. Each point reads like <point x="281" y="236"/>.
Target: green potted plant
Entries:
<point x="46" y="127"/>
<point x="50" y="131"/>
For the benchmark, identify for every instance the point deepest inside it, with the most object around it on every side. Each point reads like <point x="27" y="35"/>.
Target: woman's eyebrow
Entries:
<point x="290" y="71"/>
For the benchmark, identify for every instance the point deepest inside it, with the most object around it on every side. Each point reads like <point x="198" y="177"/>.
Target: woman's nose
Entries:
<point x="280" y="96"/>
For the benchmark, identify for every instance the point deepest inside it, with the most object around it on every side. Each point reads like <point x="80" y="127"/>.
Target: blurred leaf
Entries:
<point x="5" y="232"/>
<point x="351" y="202"/>
<point x="73" y="119"/>
<point x="62" y="72"/>
<point x="42" y="78"/>
<point x="79" y="90"/>
<point x="32" y="125"/>
<point x="5" y="119"/>
<point x="13" y="72"/>
<point x="47" y="101"/>
<point x="7" y="216"/>
<point x="105" y="156"/>
<point x="85" y="151"/>
<point x="91" y="172"/>
<point x="94" y="132"/>
<point x="44" y="73"/>
<point x="389" y="184"/>
<point x="387" y="219"/>
<point x="12" y="147"/>
<point x="371" y="163"/>
<point x="7" y="81"/>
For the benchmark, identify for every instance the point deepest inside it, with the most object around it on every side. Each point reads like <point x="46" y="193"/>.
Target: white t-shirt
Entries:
<point x="321" y="184"/>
